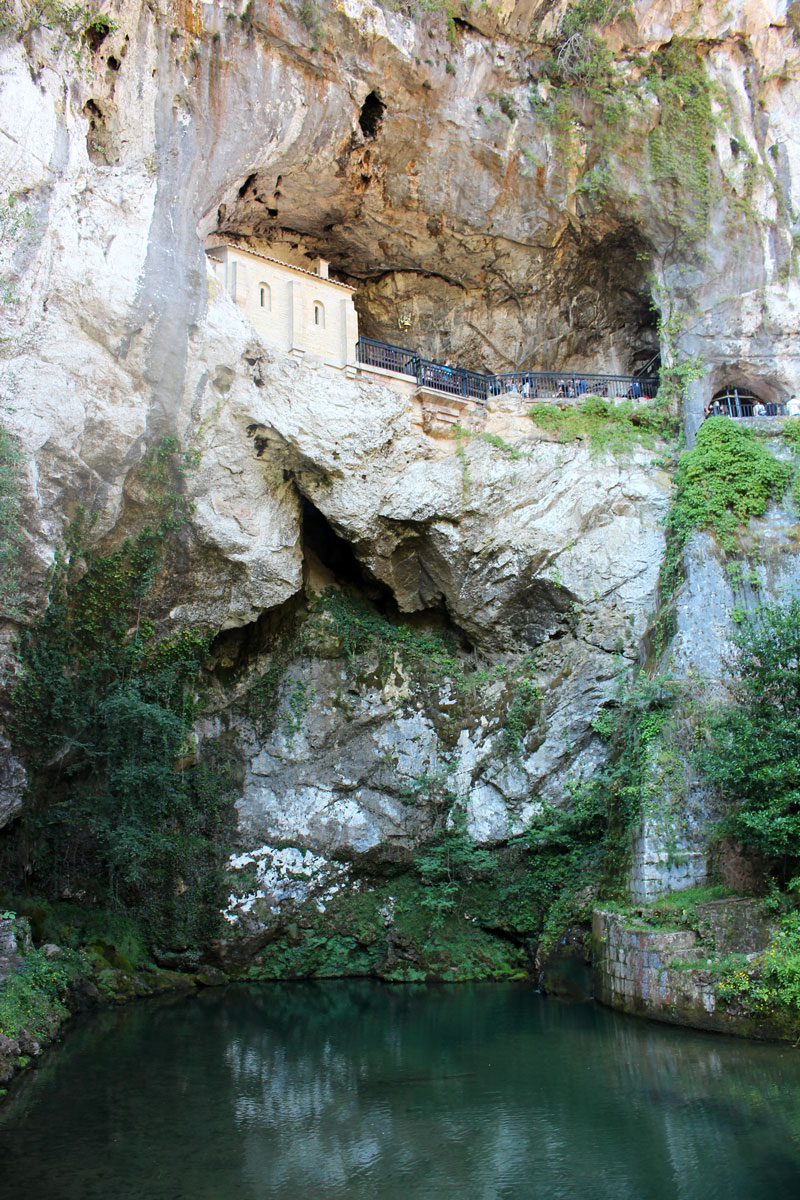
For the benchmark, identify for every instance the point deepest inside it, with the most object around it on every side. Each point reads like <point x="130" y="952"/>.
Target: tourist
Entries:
<point x="793" y="407"/>
<point x="759" y="410"/>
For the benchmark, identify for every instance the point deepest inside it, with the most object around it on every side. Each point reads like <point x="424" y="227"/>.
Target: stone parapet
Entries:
<point x="643" y="972"/>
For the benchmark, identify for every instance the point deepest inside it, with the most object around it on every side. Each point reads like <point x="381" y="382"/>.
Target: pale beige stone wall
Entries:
<point x="292" y="309"/>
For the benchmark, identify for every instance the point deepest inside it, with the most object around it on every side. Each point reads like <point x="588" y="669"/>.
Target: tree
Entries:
<point x="753" y="756"/>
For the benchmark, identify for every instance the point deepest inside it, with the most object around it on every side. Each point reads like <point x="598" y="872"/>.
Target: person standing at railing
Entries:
<point x="793" y="407"/>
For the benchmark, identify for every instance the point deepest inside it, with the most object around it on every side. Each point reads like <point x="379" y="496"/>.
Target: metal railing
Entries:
<point x="740" y="407"/>
<point x="386" y="357"/>
<point x="536" y="385"/>
<point x="558" y="385"/>
<point x="456" y="381"/>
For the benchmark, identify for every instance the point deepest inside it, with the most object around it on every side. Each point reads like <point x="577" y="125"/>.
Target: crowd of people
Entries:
<point x="736" y="406"/>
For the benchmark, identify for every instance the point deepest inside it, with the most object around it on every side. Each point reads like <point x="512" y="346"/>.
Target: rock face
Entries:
<point x="671" y="847"/>
<point x="437" y="168"/>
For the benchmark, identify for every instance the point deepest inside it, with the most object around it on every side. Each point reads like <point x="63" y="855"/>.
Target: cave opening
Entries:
<point x="736" y="401"/>
<point x="466" y="27"/>
<point x="329" y="560"/>
<point x="96" y="33"/>
<point x="371" y="115"/>
<point x="586" y="306"/>
<point x="334" y="554"/>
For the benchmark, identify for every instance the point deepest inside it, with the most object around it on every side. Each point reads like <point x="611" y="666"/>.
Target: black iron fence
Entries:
<point x="386" y="357"/>
<point x="744" y="406"/>
<point x="457" y="381"/>
<point x="541" y="385"/>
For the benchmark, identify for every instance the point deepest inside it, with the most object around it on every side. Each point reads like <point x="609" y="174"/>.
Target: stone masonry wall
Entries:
<point x="639" y="971"/>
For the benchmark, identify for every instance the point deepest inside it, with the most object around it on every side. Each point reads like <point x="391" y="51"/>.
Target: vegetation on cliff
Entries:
<point x="608" y="427"/>
<point x="117" y="808"/>
<point x="753" y="755"/>
<point x="727" y="477"/>
<point x="10" y="524"/>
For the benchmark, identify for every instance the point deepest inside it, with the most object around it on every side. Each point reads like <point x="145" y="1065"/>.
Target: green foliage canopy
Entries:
<point x="727" y="477"/>
<point x="753" y="757"/>
<point x="102" y="715"/>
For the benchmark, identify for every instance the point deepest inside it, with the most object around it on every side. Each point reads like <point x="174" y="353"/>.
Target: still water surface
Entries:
<point x="355" y="1089"/>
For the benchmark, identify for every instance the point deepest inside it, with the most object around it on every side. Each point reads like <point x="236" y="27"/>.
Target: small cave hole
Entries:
<point x="464" y="27"/>
<point x="112" y="63"/>
<point x="97" y="141"/>
<point x="371" y="115"/>
<point x="95" y="34"/>
<point x="272" y="212"/>
<point x="248" y="183"/>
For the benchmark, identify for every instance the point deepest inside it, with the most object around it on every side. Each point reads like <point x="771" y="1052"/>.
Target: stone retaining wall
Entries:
<point x="640" y="971"/>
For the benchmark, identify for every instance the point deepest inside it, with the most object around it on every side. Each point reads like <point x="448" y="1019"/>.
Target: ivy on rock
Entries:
<point x="118" y="808"/>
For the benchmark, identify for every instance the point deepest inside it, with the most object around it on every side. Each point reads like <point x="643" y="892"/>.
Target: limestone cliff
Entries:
<point x="501" y="188"/>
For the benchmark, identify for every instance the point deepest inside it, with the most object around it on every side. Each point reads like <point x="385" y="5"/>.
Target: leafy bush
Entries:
<point x="753" y="757"/>
<point x="771" y="984"/>
<point x="447" y="866"/>
<point x="608" y="427"/>
<point x="102" y="714"/>
<point x="34" y="997"/>
<point x="727" y="477"/>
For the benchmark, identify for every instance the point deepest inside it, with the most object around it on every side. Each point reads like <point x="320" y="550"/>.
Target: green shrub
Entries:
<point x="613" y="428"/>
<point x="102" y="712"/>
<point x="753" y="756"/>
<point x="447" y="865"/>
<point x="727" y="477"/>
<point x="770" y="985"/>
<point x="34" y="997"/>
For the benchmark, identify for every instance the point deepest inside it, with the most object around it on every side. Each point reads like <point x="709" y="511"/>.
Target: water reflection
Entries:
<point x="355" y="1089"/>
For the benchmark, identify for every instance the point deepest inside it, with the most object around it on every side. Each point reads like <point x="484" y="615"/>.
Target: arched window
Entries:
<point x="319" y="314"/>
<point x="264" y="298"/>
<point x="734" y="401"/>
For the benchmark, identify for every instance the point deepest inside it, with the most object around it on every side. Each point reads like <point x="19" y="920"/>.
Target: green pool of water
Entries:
<point x="356" y="1089"/>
